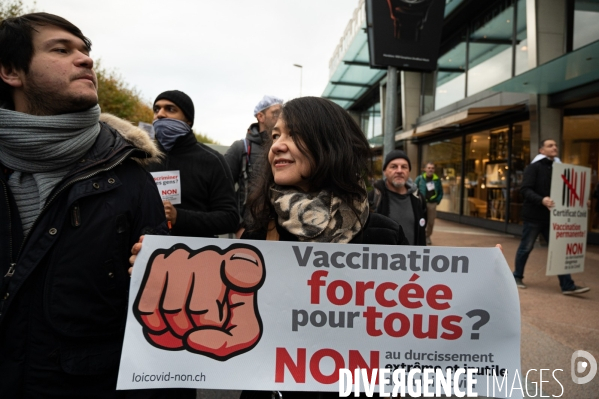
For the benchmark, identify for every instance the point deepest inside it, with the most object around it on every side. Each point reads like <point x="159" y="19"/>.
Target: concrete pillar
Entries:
<point x="411" y="87"/>
<point x="546" y="31"/>
<point x="390" y="116"/>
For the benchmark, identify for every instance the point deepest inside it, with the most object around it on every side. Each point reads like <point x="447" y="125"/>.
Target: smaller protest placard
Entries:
<point x="169" y="185"/>
<point x="570" y="189"/>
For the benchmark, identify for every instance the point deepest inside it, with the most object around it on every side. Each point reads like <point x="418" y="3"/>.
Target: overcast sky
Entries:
<point x="225" y="54"/>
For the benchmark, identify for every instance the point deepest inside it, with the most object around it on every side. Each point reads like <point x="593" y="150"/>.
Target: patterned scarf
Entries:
<point x="318" y="217"/>
<point x="41" y="150"/>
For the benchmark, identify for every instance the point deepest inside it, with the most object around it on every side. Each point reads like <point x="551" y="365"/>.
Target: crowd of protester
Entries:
<point x="77" y="197"/>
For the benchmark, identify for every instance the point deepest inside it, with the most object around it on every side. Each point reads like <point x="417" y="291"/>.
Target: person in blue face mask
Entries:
<point x="207" y="197"/>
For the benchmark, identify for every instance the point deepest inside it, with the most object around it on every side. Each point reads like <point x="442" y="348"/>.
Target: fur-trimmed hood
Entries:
<point x="135" y="136"/>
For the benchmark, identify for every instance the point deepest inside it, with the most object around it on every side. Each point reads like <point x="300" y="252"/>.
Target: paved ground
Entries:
<point x="553" y="325"/>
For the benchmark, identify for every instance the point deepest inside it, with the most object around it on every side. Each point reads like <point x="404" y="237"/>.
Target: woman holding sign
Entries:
<point x="314" y="190"/>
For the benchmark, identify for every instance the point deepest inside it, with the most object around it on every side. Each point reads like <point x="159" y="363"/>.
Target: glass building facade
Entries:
<point x="489" y="50"/>
<point x="502" y="84"/>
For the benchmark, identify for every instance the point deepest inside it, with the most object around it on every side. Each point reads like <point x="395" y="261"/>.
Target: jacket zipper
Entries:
<point x="70" y="183"/>
<point x="11" y="269"/>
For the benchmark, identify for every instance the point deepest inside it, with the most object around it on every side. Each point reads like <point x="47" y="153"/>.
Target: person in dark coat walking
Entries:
<point x="73" y="201"/>
<point x="398" y="198"/>
<point x="208" y="206"/>
<point x="535" y="189"/>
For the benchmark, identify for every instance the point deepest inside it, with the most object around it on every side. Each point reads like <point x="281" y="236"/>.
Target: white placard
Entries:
<point x="169" y="185"/>
<point x="148" y="127"/>
<point x="570" y="190"/>
<point x="289" y="315"/>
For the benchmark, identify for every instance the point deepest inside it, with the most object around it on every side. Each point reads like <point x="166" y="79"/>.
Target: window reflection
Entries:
<point x="447" y="157"/>
<point x="586" y="29"/>
<point x="490" y="51"/>
<point x="486" y="174"/>
<point x="372" y="124"/>
<point x="520" y="159"/>
<point x="581" y="147"/>
<point x="491" y="179"/>
<point x="491" y="188"/>
<point x="521" y="40"/>
<point x="451" y="78"/>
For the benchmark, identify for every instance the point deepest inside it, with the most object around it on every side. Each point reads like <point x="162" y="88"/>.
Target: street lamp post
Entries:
<point x="301" y="73"/>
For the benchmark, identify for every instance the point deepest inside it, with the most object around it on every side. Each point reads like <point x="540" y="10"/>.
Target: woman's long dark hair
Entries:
<point x="337" y="150"/>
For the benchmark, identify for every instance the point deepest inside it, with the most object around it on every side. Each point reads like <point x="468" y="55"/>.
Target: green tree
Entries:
<point x="202" y="138"/>
<point x="117" y="98"/>
<point x="12" y="8"/>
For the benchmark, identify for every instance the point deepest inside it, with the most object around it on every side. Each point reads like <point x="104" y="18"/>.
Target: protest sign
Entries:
<point x="169" y="185"/>
<point x="148" y="127"/>
<point x="570" y="189"/>
<point x="266" y="315"/>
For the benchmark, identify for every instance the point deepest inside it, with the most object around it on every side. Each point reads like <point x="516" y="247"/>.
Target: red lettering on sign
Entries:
<point x="573" y="249"/>
<point x="283" y="360"/>
<point x="297" y="369"/>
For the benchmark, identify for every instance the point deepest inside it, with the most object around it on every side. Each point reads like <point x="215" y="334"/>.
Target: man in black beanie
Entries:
<point x="398" y="198"/>
<point x="179" y="100"/>
<point x="207" y="197"/>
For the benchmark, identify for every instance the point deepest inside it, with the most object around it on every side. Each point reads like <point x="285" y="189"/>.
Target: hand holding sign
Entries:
<point x="203" y="301"/>
<point x="170" y="211"/>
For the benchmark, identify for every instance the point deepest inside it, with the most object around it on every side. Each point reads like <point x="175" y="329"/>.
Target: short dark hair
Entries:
<point x="16" y="43"/>
<point x="337" y="150"/>
<point x="544" y="141"/>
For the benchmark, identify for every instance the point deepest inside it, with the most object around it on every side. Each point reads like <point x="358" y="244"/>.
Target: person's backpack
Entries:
<point x="246" y="170"/>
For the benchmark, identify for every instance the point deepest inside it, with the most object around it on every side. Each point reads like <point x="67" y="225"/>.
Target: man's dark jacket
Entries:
<point x="255" y="143"/>
<point x="379" y="203"/>
<point x="64" y="288"/>
<point x="536" y="185"/>
<point x="208" y="205"/>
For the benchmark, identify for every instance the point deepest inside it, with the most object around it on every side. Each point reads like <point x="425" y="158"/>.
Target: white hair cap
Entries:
<point x="266" y="102"/>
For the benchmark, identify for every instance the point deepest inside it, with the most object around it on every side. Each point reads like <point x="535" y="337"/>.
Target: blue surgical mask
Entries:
<point x="169" y="130"/>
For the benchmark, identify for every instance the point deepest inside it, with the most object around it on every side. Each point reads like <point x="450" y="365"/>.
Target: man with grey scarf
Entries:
<point x="74" y="198"/>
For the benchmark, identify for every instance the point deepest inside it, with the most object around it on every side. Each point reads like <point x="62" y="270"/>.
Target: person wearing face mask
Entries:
<point x="208" y="206"/>
<point x="313" y="189"/>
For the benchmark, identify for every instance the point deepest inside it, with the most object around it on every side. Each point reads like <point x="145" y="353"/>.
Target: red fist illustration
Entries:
<point x="204" y="301"/>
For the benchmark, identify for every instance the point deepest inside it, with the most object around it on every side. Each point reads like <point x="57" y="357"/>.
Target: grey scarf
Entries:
<point x="41" y="150"/>
<point x="169" y="130"/>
